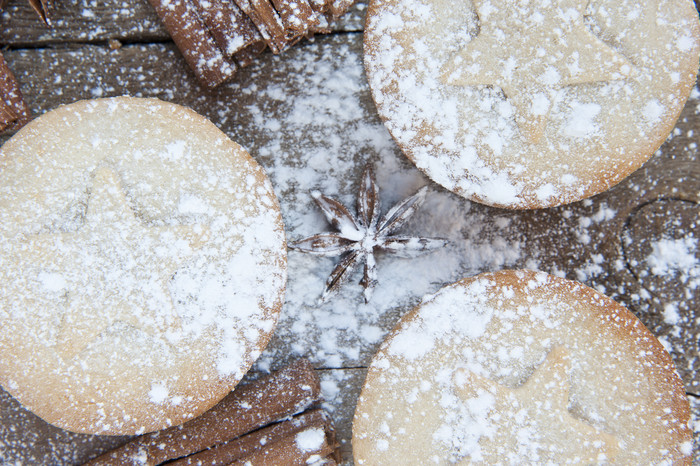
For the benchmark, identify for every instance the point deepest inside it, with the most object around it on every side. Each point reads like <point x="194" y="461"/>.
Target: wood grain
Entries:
<point x="605" y="242"/>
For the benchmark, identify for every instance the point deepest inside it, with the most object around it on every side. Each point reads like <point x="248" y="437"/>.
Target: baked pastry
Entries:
<point x="527" y="104"/>
<point x="142" y="265"/>
<point x="521" y="367"/>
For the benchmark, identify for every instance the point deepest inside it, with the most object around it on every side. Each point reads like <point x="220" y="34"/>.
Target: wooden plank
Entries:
<point x="130" y="20"/>
<point x="127" y="21"/>
<point x="308" y="118"/>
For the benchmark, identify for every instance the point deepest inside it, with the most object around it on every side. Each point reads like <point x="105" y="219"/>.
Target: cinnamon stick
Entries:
<point x="321" y="6"/>
<point x="267" y="21"/>
<point x="336" y="8"/>
<point x="246" y="56"/>
<point x="274" y="444"/>
<point x="14" y="112"/>
<point x="277" y="396"/>
<point x="287" y="451"/>
<point x="298" y="17"/>
<point x="215" y="35"/>
<point x="194" y="40"/>
<point x="331" y="9"/>
<point x="232" y="30"/>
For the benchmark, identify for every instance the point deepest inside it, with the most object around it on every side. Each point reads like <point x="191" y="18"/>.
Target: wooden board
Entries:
<point x="308" y="118"/>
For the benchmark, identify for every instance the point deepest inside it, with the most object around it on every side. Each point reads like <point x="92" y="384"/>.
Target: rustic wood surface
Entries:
<point x="107" y="48"/>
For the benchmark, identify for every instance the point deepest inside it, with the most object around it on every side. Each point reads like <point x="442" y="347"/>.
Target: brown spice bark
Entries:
<point x="194" y="40"/>
<point x="267" y="21"/>
<point x="272" y="398"/>
<point x="274" y="444"/>
<point x="230" y="27"/>
<point x="14" y="112"/>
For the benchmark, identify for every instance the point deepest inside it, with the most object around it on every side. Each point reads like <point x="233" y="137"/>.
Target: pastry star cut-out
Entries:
<point x="114" y="268"/>
<point x="533" y="422"/>
<point x="532" y="49"/>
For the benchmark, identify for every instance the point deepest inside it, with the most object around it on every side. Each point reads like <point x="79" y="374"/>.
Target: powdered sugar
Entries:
<point x="652" y="111"/>
<point x="159" y="393"/>
<point x="676" y="258"/>
<point x="464" y="424"/>
<point x="52" y="281"/>
<point x="581" y="122"/>
<point x="694" y="425"/>
<point x="444" y="313"/>
<point x="309" y="153"/>
<point x="310" y="439"/>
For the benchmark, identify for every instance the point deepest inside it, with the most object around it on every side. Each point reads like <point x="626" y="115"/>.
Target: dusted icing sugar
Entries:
<point x="310" y="439"/>
<point x="676" y="258"/>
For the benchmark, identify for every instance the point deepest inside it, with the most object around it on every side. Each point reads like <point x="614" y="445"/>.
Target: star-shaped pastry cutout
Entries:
<point x="113" y="268"/>
<point x="532" y="49"/>
<point x="533" y="420"/>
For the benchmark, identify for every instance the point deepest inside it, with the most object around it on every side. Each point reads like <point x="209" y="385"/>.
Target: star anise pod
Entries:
<point x="359" y="237"/>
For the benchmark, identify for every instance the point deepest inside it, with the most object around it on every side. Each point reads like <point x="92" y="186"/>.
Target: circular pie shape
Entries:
<point x="529" y="104"/>
<point x="142" y="265"/>
<point x="521" y="367"/>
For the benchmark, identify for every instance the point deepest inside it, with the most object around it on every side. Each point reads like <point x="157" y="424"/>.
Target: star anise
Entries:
<point x="359" y="237"/>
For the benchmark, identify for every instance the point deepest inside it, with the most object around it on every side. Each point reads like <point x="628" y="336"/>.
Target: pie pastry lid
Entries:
<point x="521" y="367"/>
<point x="530" y="104"/>
<point x="142" y="263"/>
